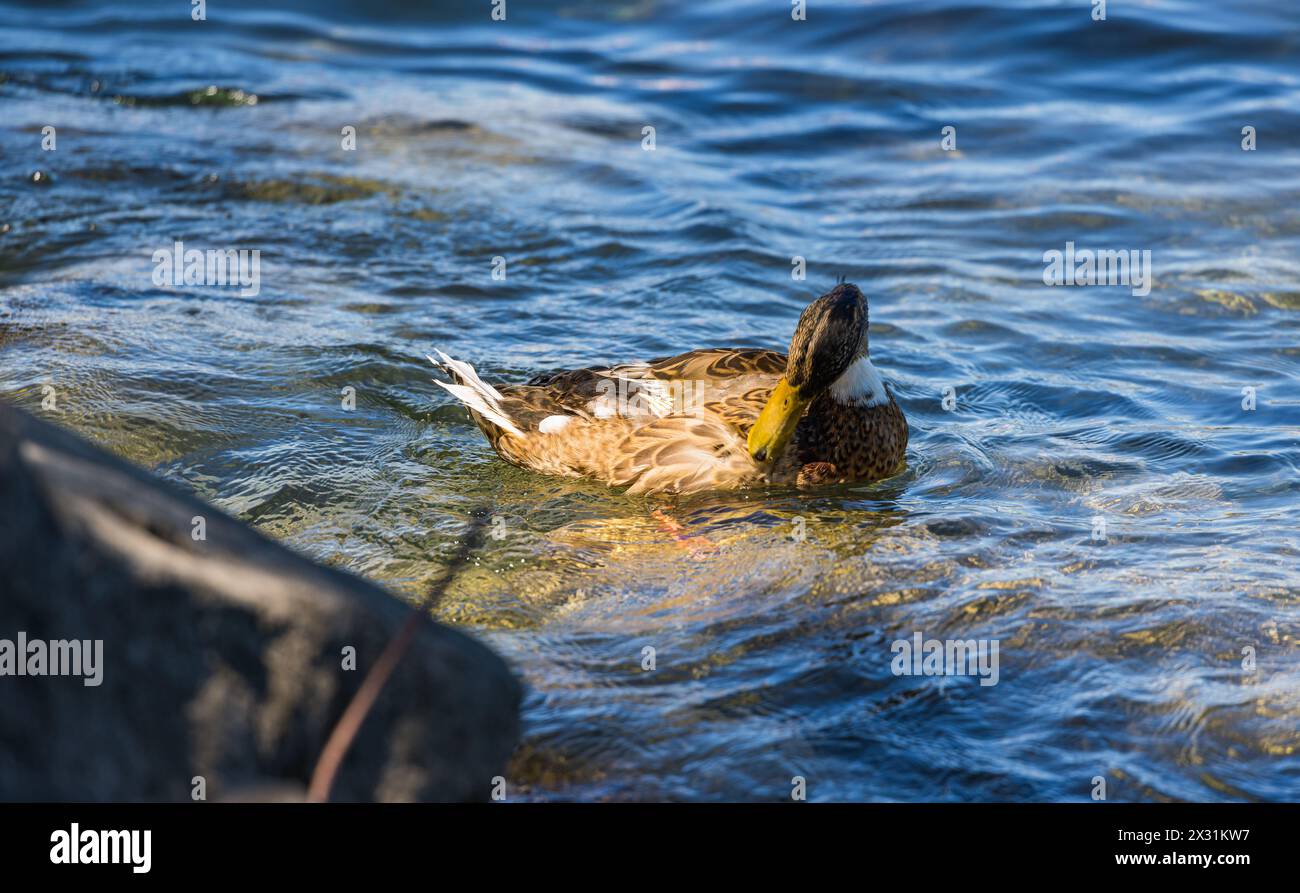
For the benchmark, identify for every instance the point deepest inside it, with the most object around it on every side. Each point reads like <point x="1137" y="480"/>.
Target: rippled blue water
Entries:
<point x="1120" y="657"/>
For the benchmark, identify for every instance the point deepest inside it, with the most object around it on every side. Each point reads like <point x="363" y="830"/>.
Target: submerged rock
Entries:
<point x="221" y="653"/>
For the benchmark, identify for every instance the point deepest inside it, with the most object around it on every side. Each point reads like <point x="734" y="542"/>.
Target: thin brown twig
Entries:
<point x="349" y="724"/>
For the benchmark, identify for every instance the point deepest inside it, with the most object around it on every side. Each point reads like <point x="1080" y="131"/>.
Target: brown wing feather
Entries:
<point x="570" y="385"/>
<point x="680" y="454"/>
<point x="740" y="411"/>
<point x="713" y="363"/>
<point x="722" y="371"/>
<point x="678" y="448"/>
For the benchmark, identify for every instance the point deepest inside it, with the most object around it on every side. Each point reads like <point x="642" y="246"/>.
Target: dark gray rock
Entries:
<point x="222" y="657"/>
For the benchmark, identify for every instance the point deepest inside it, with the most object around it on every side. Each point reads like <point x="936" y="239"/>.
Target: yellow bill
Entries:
<point x="776" y="423"/>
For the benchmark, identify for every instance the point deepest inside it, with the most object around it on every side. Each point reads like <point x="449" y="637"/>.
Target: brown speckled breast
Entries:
<point x="863" y="443"/>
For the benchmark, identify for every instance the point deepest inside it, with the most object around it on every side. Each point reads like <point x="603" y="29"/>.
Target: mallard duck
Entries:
<point x="713" y="419"/>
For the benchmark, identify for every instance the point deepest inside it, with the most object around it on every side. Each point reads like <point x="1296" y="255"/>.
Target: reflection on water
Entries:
<point x="1094" y="495"/>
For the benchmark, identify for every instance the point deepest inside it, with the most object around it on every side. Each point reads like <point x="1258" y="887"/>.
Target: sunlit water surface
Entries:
<point x="1120" y="657"/>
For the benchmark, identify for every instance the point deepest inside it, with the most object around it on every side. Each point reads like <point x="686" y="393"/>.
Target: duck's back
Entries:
<point x="672" y="424"/>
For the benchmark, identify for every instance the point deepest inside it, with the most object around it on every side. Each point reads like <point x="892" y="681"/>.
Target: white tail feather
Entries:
<point x="476" y="394"/>
<point x="467" y="372"/>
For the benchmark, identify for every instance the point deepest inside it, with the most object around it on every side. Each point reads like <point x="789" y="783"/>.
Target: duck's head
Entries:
<point x="830" y="338"/>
